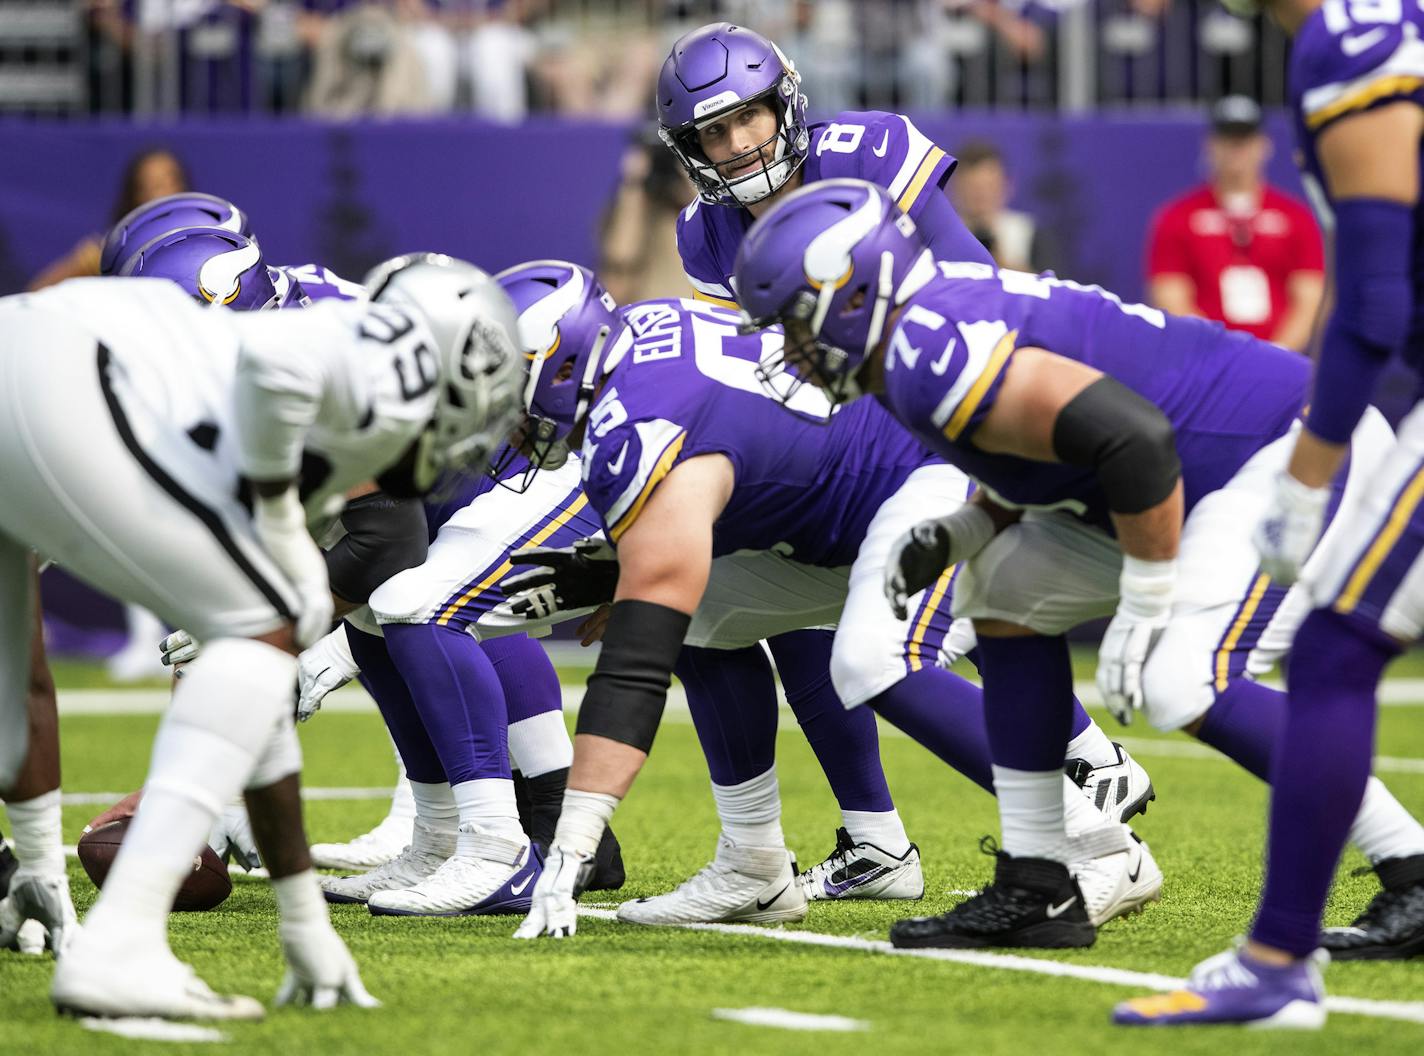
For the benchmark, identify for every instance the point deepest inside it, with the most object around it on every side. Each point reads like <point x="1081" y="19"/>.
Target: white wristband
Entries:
<point x="1146" y="588"/>
<point x="299" y="898"/>
<point x="970" y="529"/>
<point x="582" y="820"/>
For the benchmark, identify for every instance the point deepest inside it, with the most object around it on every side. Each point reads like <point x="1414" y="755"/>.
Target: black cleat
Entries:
<point x="540" y="799"/>
<point x="1392" y="926"/>
<point x="1032" y="902"/>
<point x="8" y="864"/>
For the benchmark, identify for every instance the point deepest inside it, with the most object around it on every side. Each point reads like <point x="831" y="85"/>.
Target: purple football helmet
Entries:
<point x="162" y="215"/>
<point x="829" y="263"/>
<point x="217" y="267"/>
<point x="567" y="323"/>
<point x="713" y="71"/>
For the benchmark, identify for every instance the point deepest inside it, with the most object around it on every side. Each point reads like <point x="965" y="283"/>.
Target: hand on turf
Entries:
<point x="328" y="665"/>
<point x="281" y="528"/>
<point x="920" y="556"/>
<point x="320" y="969"/>
<point x="1290" y="528"/>
<point x="554" y="911"/>
<point x="561" y="579"/>
<point x="179" y="648"/>
<point x="22" y="934"/>
<point x="1143" y="611"/>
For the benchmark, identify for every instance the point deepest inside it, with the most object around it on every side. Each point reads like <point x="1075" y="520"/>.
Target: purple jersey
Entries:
<point x="1227" y="394"/>
<point x="323" y="284"/>
<point x="869" y="145"/>
<point x="1350" y="57"/>
<point x="685" y="384"/>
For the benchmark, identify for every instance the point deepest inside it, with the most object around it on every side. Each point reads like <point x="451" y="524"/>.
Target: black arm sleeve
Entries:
<point x="383" y="536"/>
<point x="1127" y="440"/>
<point x="628" y="687"/>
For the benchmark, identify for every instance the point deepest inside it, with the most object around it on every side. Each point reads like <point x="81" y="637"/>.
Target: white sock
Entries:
<point x="1383" y="828"/>
<point x="36" y="825"/>
<point x="436" y="817"/>
<point x="880" y="827"/>
<point x="751" y="812"/>
<point x="1078" y="811"/>
<point x="1031" y="812"/>
<point x="1094" y="746"/>
<point x="486" y="805"/>
<point x="540" y="744"/>
<point x="402" y="800"/>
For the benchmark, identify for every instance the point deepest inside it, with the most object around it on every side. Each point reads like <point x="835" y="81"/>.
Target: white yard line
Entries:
<point x="1405" y="1011"/>
<point x="786" y="1019"/>
<point x="106" y="799"/>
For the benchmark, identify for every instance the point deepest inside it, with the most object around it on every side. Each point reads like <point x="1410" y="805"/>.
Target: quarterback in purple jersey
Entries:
<point x="1119" y="452"/>
<point x="1356" y="84"/>
<point x="692" y="464"/>
<point x="730" y="107"/>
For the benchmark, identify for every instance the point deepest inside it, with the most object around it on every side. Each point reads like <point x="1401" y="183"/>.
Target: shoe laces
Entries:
<point x="1222" y="972"/>
<point x="837" y="859"/>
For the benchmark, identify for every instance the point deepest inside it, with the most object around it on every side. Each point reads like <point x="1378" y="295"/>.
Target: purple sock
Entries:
<point x="1245" y="723"/>
<point x="846" y="743"/>
<point x="1322" y="764"/>
<point x="945" y="713"/>
<point x="1028" y="700"/>
<point x="458" y="696"/>
<point x="732" y="697"/>
<point x="526" y="674"/>
<point x="388" y="689"/>
<point x="1080" y="715"/>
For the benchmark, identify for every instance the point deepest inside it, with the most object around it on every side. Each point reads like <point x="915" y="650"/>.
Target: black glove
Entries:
<point x="563" y="579"/>
<point x="916" y="560"/>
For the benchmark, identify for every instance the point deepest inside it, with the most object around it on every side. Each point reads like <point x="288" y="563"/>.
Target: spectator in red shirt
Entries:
<point x="1237" y="250"/>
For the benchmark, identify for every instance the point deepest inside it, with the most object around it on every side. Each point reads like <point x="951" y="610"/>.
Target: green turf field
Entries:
<point x="466" y="987"/>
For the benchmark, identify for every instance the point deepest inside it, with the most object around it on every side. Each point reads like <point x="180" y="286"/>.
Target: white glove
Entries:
<point x="1290" y="528"/>
<point x="179" y="648"/>
<point x="320" y="969"/>
<point x="920" y="556"/>
<point x="231" y="837"/>
<point x="281" y="526"/>
<point x="1143" y="610"/>
<point x="25" y="935"/>
<point x="554" y="911"/>
<point x="326" y="666"/>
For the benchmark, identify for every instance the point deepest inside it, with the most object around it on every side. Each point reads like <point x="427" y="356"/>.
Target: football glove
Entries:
<point x="179" y="648"/>
<point x="326" y="666"/>
<point x="920" y="556"/>
<point x="1143" y="610"/>
<point x="320" y="969"/>
<point x="1290" y="528"/>
<point x="281" y="526"/>
<point x="554" y="909"/>
<point x="562" y="579"/>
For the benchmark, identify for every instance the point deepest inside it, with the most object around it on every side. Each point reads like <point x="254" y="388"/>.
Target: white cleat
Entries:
<point x="130" y="985"/>
<point x="38" y="913"/>
<point x="749" y="884"/>
<point x="497" y="878"/>
<point x="368" y="850"/>
<point x="863" y="870"/>
<point x="1120" y="790"/>
<point x="406" y="869"/>
<point x="1117" y="874"/>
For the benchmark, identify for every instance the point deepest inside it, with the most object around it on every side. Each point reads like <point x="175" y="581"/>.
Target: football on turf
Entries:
<point x="208" y="885"/>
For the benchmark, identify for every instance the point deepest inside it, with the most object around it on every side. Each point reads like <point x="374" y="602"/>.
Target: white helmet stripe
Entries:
<point x="539" y="322"/>
<point x="827" y="257"/>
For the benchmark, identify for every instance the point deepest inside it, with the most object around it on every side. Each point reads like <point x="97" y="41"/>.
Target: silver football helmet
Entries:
<point x="481" y="371"/>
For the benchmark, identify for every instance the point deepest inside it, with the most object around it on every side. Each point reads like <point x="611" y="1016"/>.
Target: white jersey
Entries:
<point x="335" y="393"/>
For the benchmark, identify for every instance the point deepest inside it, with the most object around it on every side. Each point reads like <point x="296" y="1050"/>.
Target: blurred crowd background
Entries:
<point x="1138" y="144"/>
<point x="506" y="59"/>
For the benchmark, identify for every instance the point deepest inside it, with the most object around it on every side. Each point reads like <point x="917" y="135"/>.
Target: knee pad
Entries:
<point x="281" y="758"/>
<point x="1177" y="687"/>
<point x="225" y="712"/>
<point x="861" y="669"/>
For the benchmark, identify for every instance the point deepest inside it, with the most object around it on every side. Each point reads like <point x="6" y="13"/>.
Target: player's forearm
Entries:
<point x="1373" y="306"/>
<point x="1314" y="462"/>
<point x="1155" y="533"/>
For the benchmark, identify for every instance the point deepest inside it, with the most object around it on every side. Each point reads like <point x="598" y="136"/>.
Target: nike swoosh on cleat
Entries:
<point x="1136" y="870"/>
<point x="835" y="890"/>
<point x="763" y="905"/>
<point x="519" y="890"/>
<point x="1056" y="911"/>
